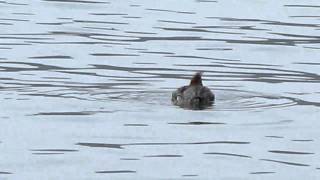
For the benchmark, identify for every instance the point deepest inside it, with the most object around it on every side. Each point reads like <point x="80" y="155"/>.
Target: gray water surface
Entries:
<point x="85" y="89"/>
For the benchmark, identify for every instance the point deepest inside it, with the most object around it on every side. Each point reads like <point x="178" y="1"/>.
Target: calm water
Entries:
<point x="85" y="89"/>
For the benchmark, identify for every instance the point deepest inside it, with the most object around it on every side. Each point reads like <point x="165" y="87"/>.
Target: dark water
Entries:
<point x="85" y="88"/>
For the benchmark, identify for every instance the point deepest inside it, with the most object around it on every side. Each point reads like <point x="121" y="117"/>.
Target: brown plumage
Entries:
<point x="196" y="79"/>
<point x="193" y="96"/>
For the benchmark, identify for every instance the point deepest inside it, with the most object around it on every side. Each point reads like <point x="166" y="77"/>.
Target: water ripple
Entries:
<point x="285" y="162"/>
<point x="290" y="152"/>
<point x="121" y="146"/>
<point x="114" y="65"/>
<point x="227" y="154"/>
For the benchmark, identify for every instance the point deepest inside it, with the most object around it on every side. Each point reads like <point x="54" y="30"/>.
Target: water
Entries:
<point x="85" y="88"/>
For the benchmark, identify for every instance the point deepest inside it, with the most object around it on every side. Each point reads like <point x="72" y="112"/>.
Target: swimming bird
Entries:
<point x="194" y="96"/>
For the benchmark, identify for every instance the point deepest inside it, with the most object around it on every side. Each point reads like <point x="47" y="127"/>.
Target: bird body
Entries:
<point x="193" y="96"/>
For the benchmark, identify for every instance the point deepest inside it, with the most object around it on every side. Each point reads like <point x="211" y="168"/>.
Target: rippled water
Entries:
<point x="85" y="88"/>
